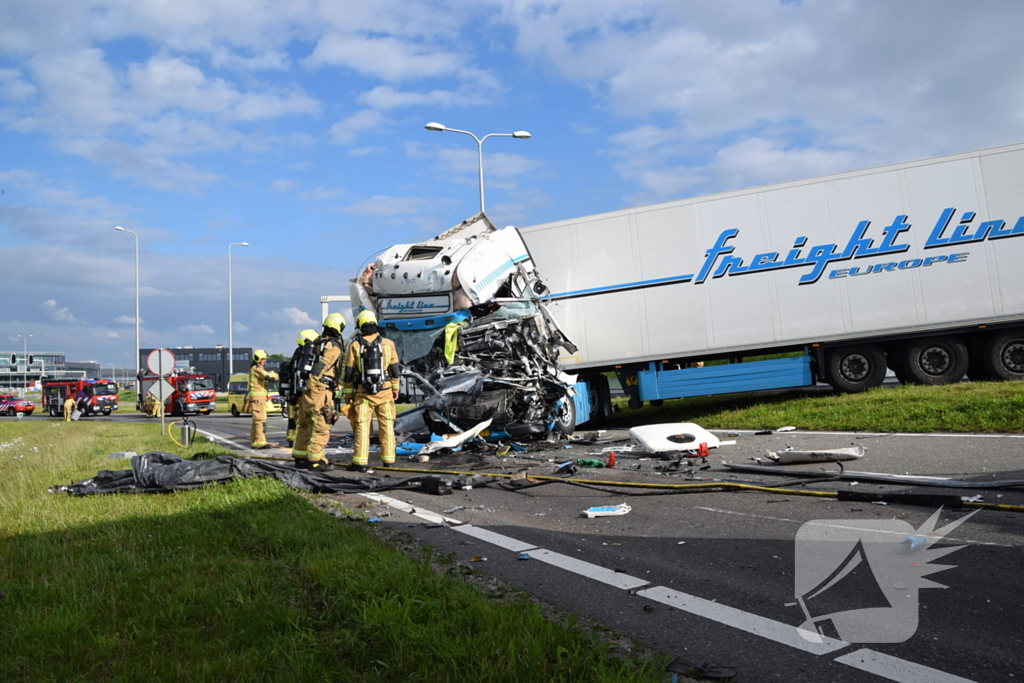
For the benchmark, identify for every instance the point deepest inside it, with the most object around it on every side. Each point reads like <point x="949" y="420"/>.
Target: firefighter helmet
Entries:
<point x="307" y="336"/>
<point x="335" y="321"/>
<point x="258" y="355"/>
<point x="366" y="317"/>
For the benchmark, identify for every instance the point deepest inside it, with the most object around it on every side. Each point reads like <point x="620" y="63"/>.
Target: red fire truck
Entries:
<point x="191" y="393"/>
<point x="92" y="396"/>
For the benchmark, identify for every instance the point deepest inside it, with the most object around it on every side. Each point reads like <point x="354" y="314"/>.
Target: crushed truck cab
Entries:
<point x="467" y="312"/>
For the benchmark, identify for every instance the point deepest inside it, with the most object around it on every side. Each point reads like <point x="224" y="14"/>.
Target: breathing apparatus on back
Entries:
<point x="371" y="355"/>
<point x="334" y="324"/>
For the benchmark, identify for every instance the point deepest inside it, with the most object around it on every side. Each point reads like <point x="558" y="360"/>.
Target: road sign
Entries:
<point x="161" y="389"/>
<point x="160" y="361"/>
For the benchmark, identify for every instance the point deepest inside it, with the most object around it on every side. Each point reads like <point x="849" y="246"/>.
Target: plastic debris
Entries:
<point x="788" y="456"/>
<point x="454" y="509"/>
<point x="607" y="511"/>
<point x="478" y="558"/>
<point x="913" y="543"/>
<point x="786" y="429"/>
<point x="373" y="519"/>
<point x="524" y="556"/>
<point x="590" y="462"/>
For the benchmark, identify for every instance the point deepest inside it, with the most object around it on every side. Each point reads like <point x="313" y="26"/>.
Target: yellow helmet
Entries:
<point x="335" y="321"/>
<point x="258" y="355"/>
<point x="307" y="336"/>
<point x="366" y="316"/>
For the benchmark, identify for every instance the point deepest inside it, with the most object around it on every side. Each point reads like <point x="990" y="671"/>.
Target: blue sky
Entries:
<point x="298" y="127"/>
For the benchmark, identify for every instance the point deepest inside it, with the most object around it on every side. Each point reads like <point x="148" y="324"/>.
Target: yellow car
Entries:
<point x="238" y="386"/>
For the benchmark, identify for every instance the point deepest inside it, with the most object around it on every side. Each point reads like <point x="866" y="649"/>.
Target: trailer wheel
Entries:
<point x="565" y="417"/>
<point x="234" y="411"/>
<point x="53" y="412"/>
<point x="941" y="360"/>
<point x="1003" y="356"/>
<point x="853" y="369"/>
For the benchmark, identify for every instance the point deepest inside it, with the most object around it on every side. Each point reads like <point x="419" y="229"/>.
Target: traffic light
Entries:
<point x="14" y="359"/>
<point x="31" y="359"/>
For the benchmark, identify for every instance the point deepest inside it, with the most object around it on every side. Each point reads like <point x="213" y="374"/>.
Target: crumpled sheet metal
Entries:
<point x="158" y="472"/>
<point x="788" y="456"/>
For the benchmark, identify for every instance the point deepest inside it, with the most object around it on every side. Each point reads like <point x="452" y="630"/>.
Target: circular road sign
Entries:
<point x="160" y="361"/>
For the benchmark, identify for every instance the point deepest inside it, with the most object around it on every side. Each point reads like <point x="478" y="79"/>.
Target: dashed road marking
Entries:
<point x="896" y="669"/>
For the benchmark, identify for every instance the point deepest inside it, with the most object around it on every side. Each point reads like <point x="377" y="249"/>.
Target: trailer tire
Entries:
<point x="1003" y="356"/>
<point x="565" y="418"/>
<point x="935" y="361"/>
<point x="852" y="369"/>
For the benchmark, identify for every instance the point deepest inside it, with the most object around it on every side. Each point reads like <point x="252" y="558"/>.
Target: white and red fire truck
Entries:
<point x="91" y="396"/>
<point x="190" y="393"/>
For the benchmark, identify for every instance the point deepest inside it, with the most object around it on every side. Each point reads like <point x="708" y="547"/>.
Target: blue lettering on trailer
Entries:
<point x="720" y="261"/>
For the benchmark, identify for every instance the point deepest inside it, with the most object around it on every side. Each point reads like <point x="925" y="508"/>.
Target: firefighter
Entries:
<point x="69" y="407"/>
<point x="316" y="403"/>
<point x="292" y="400"/>
<point x="371" y="381"/>
<point x="257" y="398"/>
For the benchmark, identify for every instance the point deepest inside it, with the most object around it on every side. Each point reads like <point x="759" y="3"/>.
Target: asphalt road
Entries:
<point x="710" y="576"/>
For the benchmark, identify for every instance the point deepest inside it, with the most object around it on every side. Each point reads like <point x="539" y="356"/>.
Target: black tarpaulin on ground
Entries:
<point x="158" y="472"/>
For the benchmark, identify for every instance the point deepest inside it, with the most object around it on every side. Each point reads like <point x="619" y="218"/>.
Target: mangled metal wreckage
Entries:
<point x="467" y="313"/>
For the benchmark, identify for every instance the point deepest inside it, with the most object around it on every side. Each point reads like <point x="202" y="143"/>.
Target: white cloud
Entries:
<point x="14" y="87"/>
<point x="239" y="327"/>
<point x="196" y="329"/>
<point x="282" y="185"/>
<point x="318" y="194"/>
<point x="388" y="58"/>
<point x="60" y="314"/>
<point x="128" y="320"/>
<point x="290" y="315"/>
<point x="383" y="205"/>
<point x="112" y="335"/>
<point x="345" y="131"/>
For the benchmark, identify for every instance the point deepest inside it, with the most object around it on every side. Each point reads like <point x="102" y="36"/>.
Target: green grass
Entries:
<point x="241" y="582"/>
<point x="964" y="407"/>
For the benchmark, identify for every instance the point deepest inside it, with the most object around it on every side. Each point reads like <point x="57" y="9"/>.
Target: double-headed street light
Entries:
<point x="520" y="134"/>
<point x="138" y="361"/>
<point x="231" y="340"/>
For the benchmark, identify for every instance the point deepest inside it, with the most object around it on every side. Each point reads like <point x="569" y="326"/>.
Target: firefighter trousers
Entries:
<point x="312" y="432"/>
<point x="293" y="414"/>
<point x="257" y="436"/>
<point x="364" y="407"/>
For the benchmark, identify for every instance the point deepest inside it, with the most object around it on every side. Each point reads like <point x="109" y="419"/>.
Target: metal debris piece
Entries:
<point x="789" y="456"/>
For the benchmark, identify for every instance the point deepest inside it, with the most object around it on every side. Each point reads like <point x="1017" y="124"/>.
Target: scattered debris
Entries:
<point x="880" y="478"/>
<point x="786" y="429"/>
<point x="607" y="511"/>
<point x="118" y="455"/>
<point x="478" y="558"/>
<point x="788" y="456"/>
<point x="672" y="437"/>
<point x="524" y="556"/>
<point x="454" y="441"/>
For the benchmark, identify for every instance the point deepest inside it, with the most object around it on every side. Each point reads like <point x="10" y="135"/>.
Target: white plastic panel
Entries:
<point x="1003" y="176"/>
<point x="958" y="291"/>
<point x="803" y="311"/>
<point x="885" y="300"/>
<point x="667" y="247"/>
<point x="740" y="307"/>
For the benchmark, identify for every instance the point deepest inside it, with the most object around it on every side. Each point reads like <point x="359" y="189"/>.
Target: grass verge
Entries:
<point x="964" y="407"/>
<point x="240" y="582"/>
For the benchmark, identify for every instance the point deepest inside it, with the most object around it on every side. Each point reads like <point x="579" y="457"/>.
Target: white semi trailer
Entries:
<point x="917" y="266"/>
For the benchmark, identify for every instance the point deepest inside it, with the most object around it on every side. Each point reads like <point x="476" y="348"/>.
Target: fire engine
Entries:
<point x="91" y="396"/>
<point x="192" y="393"/>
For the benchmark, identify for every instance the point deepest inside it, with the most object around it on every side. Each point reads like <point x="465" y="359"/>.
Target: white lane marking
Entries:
<point x="506" y="542"/>
<point x="219" y="438"/>
<point x="896" y="669"/>
<point x="822" y="522"/>
<point x="754" y="624"/>
<point x="591" y="571"/>
<point x="787" y="634"/>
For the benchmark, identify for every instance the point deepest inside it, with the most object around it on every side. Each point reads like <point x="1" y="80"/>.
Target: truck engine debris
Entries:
<point x="467" y="313"/>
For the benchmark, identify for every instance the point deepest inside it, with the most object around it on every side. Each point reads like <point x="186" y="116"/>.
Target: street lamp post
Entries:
<point x="24" y="353"/>
<point x="231" y="324"/>
<point x="138" y="361"/>
<point x="520" y="134"/>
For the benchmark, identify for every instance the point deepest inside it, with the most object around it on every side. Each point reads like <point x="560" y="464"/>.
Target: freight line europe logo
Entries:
<point x="720" y="261"/>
